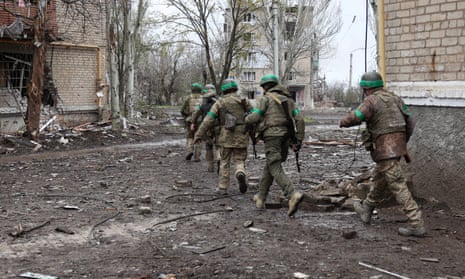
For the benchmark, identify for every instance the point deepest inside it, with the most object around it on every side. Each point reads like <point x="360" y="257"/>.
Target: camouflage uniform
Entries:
<point x="273" y="130"/>
<point x="190" y="105"/>
<point x="232" y="141"/>
<point x="212" y="147"/>
<point x="389" y="127"/>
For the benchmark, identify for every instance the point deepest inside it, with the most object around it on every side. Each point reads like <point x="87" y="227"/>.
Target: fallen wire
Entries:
<point x="216" y="197"/>
<point x="209" y="251"/>
<point x="191" y="215"/>
<point x="21" y="231"/>
<point x="91" y="232"/>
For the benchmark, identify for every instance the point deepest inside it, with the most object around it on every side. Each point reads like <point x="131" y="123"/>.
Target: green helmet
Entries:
<point x="196" y="87"/>
<point x="229" y="85"/>
<point x="269" y="79"/>
<point x="371" y="80"/>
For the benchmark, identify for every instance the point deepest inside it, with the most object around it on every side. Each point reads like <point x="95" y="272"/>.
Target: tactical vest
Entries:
<point x="275" y="116"/>
<point x="389" y="117"/>
<point x="194" y="102"/>
<point x="231" y="104"/>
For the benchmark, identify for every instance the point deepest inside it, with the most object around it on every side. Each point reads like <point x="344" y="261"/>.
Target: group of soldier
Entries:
<point x="222" y="123"/>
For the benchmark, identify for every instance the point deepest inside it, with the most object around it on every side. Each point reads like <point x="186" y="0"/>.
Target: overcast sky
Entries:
<point x="350" y="39"/>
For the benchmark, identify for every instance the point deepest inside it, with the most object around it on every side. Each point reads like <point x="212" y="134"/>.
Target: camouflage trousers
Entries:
<point x="276" y="150"/>
<point x="238" y="157"/>
<point x="212" y="150"/>
<point x="388" y="175"/>
<point x="196" y="149"/>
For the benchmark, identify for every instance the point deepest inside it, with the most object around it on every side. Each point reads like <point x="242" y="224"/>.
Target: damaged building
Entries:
<point x="74" y="87"/>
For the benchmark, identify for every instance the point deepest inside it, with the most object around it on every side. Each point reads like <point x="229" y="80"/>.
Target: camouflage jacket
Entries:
<point x="190" y="105"/>
<point x="231" y="104"/>
<point x="389" y="124"/>
<point x="271" y="117"/>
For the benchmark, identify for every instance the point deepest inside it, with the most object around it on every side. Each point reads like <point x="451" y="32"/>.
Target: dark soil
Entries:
<point x="128" y="205"/>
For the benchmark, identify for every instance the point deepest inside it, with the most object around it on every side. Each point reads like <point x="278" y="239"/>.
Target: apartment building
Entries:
<point x="257" y="58"/>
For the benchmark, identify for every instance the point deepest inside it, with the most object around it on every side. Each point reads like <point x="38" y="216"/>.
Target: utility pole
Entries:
<point x="350" y="71"/>
<point x="350" y="66"/>
<point x="274" y="8"/>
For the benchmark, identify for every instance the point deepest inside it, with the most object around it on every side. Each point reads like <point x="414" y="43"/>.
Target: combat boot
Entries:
<point x="211" y="167"/>
<point x="418" y="231"/>
<point x="364" y="211"/>
<point x="259" y="202"/>
<point x="294" y="201"/>
<point x="242" y="180"/>
<point x="221" y="191"/>
<point x="189" y="156"/>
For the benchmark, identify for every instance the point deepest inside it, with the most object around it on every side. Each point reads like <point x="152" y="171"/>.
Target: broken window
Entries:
<point x="15" y="72"/>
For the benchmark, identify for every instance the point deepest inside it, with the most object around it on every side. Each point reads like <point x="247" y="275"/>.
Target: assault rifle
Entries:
<point x="292" y="135"/>
<point x="250" y="129"/>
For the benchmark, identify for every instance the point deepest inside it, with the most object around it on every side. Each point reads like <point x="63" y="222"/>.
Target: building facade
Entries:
<point x="257" y="59"/>
<point x="75" y="64"/>
<point x="425" y="64"/>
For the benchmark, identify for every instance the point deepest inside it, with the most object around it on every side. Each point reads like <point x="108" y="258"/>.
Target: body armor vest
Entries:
<point x="389" y="118"/>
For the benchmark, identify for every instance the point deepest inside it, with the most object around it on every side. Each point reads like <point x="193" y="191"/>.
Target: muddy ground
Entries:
<point x="128" y="205"/>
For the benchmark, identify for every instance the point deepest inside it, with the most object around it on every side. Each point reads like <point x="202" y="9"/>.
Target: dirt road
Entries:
<point x="142" y="211"/>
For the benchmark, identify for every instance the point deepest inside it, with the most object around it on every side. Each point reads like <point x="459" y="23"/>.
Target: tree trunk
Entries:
<point x="113" y="73"/>
<point x="35" y="87"/>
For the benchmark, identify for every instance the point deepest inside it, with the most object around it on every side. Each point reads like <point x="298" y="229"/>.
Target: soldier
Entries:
<point x="212" y="155"/>
<point x="276" y="113"/>
<point x="389" y="127"/>
<point x="190" y="105"/>
<point x="229" y="110"/>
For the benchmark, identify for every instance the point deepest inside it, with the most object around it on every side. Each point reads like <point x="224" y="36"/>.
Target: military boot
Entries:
<point x="294" y="201"/>
<point x="364" y="211"/>
<point x="259" y="202"/>
<point x="211" y="167"/>
<point x="242" y="180"/>
<point x="221" y="191"/>
<point x="189" y="156"/>
<point x="418" y="231"/>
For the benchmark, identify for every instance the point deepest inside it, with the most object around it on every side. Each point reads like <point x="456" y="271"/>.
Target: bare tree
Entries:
<point x="122" y="36"/>
<point x="198" y="17"/>
<point x="307" y="28"/>
<point x="160" y="72"/>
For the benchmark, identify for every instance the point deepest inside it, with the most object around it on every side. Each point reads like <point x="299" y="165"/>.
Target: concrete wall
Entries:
<point x="425" y="64"/>
<point x="437" y="148"/>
